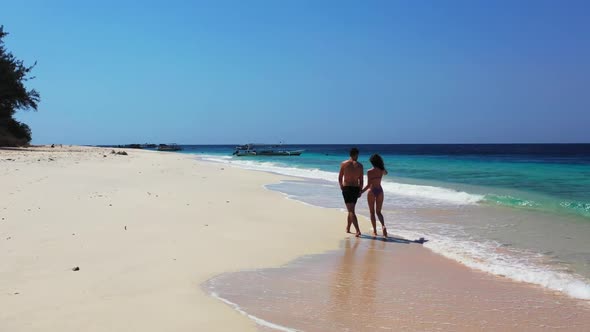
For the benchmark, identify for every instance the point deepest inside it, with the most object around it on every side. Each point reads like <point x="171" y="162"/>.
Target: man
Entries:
<point x="351" y="182"/>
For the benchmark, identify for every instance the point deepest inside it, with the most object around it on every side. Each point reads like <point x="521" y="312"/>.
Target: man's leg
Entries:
<point x="352" y="218"/>
<point x="350" y="209"/>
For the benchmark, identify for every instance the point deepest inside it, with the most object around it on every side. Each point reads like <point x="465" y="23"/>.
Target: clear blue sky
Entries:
<point x="113" y="72"/>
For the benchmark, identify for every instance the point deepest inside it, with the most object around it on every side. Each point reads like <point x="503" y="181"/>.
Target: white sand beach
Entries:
<point x="147" y="229"/>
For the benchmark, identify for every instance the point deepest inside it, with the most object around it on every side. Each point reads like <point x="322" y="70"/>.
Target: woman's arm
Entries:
<point x="366" y="188"/>
<point x="368" y="183"/>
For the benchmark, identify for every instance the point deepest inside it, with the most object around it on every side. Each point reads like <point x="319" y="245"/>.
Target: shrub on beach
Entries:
<point x="14" y="96"/>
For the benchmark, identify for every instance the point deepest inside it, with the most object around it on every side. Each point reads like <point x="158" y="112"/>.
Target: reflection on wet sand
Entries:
<point x="395" y="285"/>
<point x="352" y="285"/>
<point x="343" y="284"/>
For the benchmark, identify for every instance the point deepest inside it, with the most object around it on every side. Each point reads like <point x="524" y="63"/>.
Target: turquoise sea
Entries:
<point x="520" y="211"/>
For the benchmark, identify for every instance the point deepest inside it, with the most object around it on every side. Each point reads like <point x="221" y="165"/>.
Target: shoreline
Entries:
<point x="499" y="254"/>
<point x="578" y="308"/>
<point x="371" y="284"/>
<point x="143" y="229"/>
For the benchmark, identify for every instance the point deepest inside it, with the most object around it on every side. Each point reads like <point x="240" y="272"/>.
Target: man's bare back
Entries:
<point x="352" y="173"/>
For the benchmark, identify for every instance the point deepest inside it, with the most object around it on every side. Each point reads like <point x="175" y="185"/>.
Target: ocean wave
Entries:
<point x="518" y="265"/>
<point x="568" y="207"/>
<point x="432" y="193"/>
<point x="452" y="241"/>
<point x="510" y="201"/>
<point x="577" y="207"/>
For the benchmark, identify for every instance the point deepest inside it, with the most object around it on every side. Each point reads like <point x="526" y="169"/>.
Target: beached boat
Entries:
<point x="262" y="150"/>
<point x="169" y="147"/>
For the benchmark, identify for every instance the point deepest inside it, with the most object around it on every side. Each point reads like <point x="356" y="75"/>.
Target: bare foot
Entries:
<point x="358" y="234"/>
<point x="348" y="230"/>
<point x="374" y="232"/>
<point x="384" y="231"/>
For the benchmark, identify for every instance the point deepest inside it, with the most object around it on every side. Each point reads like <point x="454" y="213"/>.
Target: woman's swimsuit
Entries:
<point x="376" y="191"/>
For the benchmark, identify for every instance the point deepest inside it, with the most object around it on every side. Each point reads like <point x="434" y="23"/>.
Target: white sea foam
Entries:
<point x="436" y="194"/>
<point x="450" y="241"/>
<point x="430" y="192"/>
<point x="491" y="257"/>
<point x="257" y="320"/>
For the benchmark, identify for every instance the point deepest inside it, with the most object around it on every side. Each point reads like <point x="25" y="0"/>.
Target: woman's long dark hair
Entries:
<point x="377" y="162"/>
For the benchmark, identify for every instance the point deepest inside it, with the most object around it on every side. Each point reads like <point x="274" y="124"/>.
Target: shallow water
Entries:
<point x="521" y="211"/>
<point x="545" y="177"/>
<point x="522" y="245"/>
<point x="373" y="285"/>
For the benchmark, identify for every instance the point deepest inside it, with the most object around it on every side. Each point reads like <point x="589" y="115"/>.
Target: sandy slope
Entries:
<point x="186" y="222"/>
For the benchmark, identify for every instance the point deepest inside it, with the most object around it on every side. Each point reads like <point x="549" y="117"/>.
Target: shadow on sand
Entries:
<point x="393" y="239"/>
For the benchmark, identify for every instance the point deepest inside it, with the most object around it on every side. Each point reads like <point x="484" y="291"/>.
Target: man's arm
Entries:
<point x="362" y="178"/>
<point x="341" y="175"/>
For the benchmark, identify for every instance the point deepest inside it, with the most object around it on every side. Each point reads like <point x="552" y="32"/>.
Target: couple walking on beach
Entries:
<point x="351" y="183"/>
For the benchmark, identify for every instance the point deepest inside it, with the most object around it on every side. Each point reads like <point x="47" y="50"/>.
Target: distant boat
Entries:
<point x="138" y="146"/>
<point x="131" y="146"/>
<point x="264" y="150"/>
<point x="169" y="147"/>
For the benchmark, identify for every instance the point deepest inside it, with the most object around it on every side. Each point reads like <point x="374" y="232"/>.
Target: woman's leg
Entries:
<point x="371" y="201"/>
<point x="379" y="203"/>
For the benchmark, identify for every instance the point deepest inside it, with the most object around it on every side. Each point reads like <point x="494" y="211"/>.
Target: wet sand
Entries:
<point x="373" y="285"/>
<point x="145" y="229"/>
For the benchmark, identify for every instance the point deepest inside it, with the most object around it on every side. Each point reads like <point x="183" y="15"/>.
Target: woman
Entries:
<point x="375" y="196"/>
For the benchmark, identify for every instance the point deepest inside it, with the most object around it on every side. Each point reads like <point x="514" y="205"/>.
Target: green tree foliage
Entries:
<point x="14" y="96"/>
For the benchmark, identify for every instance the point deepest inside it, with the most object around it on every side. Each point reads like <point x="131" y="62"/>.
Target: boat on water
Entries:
<point x="264" y="150"/>
<point x="137" y="146"/>
<point x="169" y="147"/>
